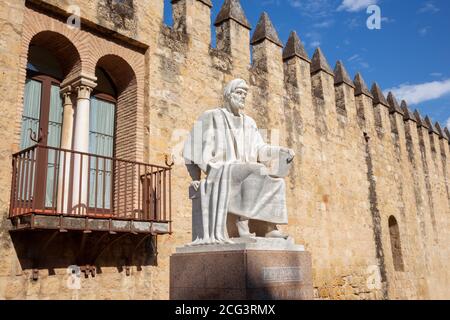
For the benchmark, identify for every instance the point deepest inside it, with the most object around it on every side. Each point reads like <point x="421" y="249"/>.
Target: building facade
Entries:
<point x="92" y="205"/>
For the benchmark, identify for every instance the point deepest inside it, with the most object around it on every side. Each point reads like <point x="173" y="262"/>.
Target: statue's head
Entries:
<point x="235" y="94"/>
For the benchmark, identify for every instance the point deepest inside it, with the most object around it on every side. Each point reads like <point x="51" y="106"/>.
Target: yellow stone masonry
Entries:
<point x="358" y="164"/>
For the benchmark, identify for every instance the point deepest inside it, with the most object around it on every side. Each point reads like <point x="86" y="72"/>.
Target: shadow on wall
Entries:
<point x="50" y="249"/>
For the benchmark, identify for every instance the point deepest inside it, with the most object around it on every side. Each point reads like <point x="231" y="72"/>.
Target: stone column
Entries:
<point x="68" y="119"/>
<point x="81" y="131"/>
<point x="66" y="143"/>
<point x="81" y="144"/>
<point x="344" y="94"/>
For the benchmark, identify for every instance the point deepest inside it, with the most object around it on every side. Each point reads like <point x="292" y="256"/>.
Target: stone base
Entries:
<point x="244" y="271"/>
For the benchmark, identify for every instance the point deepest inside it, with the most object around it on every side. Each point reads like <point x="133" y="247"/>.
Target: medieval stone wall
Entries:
<point x="360" y="160"/>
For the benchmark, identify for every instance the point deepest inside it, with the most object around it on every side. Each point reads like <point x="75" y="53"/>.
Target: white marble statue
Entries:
<point x="227" y="147"/>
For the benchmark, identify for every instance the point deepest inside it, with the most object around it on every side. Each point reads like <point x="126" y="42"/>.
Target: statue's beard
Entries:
<point x="236" y="105"/>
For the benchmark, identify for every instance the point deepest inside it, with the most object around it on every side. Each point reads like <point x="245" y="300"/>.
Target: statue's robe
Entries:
<point x="231" y="152"/>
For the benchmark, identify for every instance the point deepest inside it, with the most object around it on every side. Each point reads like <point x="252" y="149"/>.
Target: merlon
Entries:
<point x="361" y="87"/>
<point x="320" y="63"/>
<point x="341" y="75"/>
<point x="295" y="48"/>
<point x="265" y="31"/>
<point x="232" y="10"/>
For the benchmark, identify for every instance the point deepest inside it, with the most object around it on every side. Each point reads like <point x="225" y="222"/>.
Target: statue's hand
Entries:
<point x="195" y="185"/>
<point x="290" y="151"/>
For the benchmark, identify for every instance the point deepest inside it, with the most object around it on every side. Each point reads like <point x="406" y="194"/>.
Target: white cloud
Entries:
<point x="417" y="93"/>
<point x="354" y="57"/>
<point x="314" y="39"/>
<point x="364" y="65"/>
<point x="295" y="3"/>
<point x="448" y="123"/>
<point x="429" y="7"/>
<point x="314" y="8"/>
<point x="424" y="31"/>
<point x="355" y="5"/>
<point x="324" y="24"/>
<point x="436" y="74"/>
<point x="387" y="20"/>
<point x="271" y="2"/>
<point x="353" y="23"/>
<point x="359" y="61"/>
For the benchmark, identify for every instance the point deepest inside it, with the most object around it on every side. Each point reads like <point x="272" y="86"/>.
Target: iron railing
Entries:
<point x="58" y="182"/>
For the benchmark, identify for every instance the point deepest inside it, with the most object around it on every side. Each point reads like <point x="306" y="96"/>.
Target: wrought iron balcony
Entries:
<point x="53" y="188"/>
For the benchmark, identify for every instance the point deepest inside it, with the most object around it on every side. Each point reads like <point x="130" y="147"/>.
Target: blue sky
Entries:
<point x="410" y="54"/>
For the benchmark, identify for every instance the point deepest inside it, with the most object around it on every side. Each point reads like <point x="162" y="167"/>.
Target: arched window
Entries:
<point x="102" y="116"/>
<point x="102" y="139"/>
<point x="396" y="247"/>
<point x="43" y="112"/>
<point x="114" y="123"/>
<point x="51" y="59"/>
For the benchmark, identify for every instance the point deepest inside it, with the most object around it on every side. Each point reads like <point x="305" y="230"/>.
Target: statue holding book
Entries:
<point x="243" y="175"/>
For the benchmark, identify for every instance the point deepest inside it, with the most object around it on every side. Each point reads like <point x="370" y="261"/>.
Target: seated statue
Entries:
<point x="226" y="146"/>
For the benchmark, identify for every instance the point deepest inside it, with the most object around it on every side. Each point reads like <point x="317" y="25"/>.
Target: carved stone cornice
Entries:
<point x="71" y="84"/>
<point x="66" y="89"/>
<point x="81" y="84"/>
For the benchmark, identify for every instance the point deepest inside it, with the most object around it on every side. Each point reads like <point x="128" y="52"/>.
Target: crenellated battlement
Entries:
<point x="233" y="31"/>
<point x="364" y="159"/>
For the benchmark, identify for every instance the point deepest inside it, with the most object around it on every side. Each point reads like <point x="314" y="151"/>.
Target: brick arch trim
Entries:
<point x="119" y="70"/>
<point x="91" y="49"/>
<point x="127" y="107"/>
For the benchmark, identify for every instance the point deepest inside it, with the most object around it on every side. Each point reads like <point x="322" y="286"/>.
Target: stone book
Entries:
<point x="280" y="166"/>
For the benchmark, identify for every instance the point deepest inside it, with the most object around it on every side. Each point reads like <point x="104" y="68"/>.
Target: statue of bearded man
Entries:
<point x="226" y="146"/>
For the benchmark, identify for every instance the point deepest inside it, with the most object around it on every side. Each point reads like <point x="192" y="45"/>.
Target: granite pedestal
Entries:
<point x="252" y="269"/>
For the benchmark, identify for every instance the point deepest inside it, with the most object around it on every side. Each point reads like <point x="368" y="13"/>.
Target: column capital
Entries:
<point x="67" y="98"/>
<point x="66" y="94"/>
<point x="72" y="83"/>
<point x="84" y="91"/>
